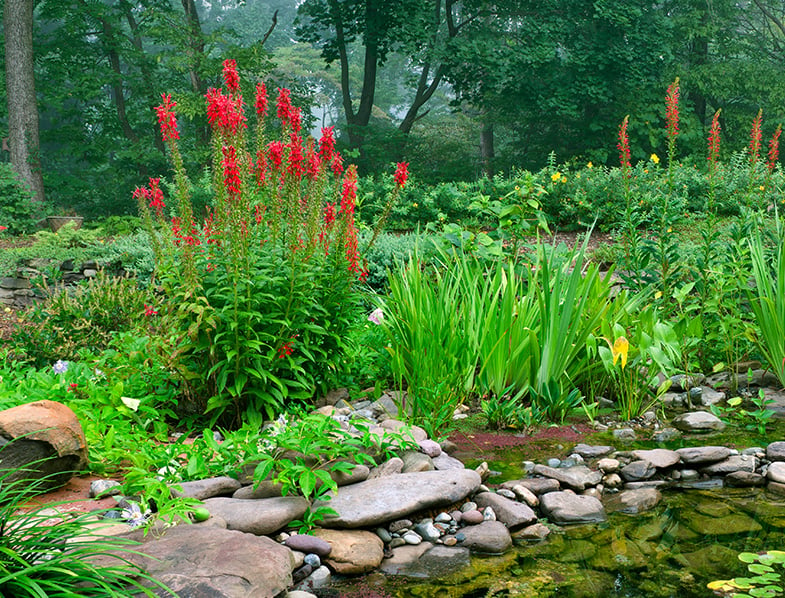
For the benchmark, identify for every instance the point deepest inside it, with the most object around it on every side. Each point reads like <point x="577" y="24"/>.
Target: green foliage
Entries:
<point x="767" y="301"/>
<point x="17" y="208"/>
<point x="764" y="580"/>
<point x="260" y="295"/>
<point x="42" y="556"/>
<point x="636" y="350"/>
<point x="755" y="417"/>
<point x="390" y="250"/>
<point x="504" y="328"/>
<point x="67" y="236"/>
<point x="85" y="318"/>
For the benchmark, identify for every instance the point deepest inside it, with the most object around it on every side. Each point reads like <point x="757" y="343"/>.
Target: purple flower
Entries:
<point x="376" y="316"/>
<point x="60" y="366"/>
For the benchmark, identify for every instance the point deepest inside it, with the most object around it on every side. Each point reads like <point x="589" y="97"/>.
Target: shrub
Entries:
<point x="84" y="318"/>
<point x="17" y="208"/>
<point x="263" y="291"/>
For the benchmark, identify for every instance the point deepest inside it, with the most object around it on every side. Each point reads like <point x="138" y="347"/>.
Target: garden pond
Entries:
<point x="691" y="538"/>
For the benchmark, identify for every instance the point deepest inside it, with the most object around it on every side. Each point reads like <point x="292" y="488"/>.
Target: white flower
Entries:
<point x="376" y="316"/>
<point x="60" y="366"/>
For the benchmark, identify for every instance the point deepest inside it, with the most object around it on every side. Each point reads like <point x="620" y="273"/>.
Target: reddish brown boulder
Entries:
<point x="41" y="441"/>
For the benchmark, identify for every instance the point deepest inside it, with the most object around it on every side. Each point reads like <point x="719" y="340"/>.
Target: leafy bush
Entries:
<point x="84" y="318"/>
<point x="262" y="293"/>
<point x="18" y="211"/>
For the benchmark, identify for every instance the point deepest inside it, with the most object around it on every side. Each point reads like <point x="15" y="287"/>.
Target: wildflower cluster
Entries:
<point x="276" y="259"/>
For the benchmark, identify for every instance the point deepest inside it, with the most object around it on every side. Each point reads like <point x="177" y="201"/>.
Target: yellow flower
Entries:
<point x="555" y="176"/>
<point x="654" y="158"/>
<point x="517" y="188"/>
<point x="564" y="179"/>
<point x="619" y="349"/>
<point x="589" y="165"/>
<point x="414" y="205"/>
<point x="762" y="188"/>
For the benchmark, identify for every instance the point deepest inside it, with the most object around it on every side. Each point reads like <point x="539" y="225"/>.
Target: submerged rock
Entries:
<point x="566" y="507"/>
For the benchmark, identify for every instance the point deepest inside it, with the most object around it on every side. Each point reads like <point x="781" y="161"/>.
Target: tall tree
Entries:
<point x="420" y="29"/>
<point x="20" y="91"/>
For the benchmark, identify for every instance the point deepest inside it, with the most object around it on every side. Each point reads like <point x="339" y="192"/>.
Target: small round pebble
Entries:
<point x="468" y="506"/>
<point x="554" y="462"/>
<point x="450" y="541"/>
<point x="313" y="560"/>
<point x="412" y="538"/>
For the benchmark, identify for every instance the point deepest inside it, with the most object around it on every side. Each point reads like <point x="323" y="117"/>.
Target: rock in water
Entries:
<point x="566" y="507"/>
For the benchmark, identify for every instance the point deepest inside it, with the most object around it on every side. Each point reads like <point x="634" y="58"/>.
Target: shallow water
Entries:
<point x="691" y="538"/>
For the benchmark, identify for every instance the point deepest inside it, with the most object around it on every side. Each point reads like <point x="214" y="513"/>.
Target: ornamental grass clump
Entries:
<point x="262" y="291"/>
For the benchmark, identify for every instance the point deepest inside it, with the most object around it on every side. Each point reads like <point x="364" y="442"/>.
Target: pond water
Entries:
<point x="691" y="538"/>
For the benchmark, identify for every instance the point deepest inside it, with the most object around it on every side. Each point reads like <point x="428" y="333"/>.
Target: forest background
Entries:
<point x="459" y="89"/>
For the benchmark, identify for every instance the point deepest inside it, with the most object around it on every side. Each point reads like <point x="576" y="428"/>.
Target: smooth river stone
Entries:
<point x="577" y="478"/>
<point x="703" y="454"/>
<point x="511" y="513"/>
<point x="776" y="472"/>
<point x="257" y="516"/>
<point x="376" y="501"/>
<point x="566" y="507"/>
<point x="660" y="458"/>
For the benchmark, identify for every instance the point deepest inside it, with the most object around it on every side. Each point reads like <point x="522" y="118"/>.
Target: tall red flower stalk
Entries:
<point x="400" y="177"/>
<point x="624" y="147"/>
<point x="755" y="139"/>
<point x="167" y="118"/>
<point x="774" y="150"/>
<point x="231" y="77"/>
<point x="713" y="158"/>
<point x="672" y="124"/>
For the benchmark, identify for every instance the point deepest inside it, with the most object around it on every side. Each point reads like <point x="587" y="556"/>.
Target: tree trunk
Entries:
<point x="487" y="153"/>
<point x="20" y="89"/>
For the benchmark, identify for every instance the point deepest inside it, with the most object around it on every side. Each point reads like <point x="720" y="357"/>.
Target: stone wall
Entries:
<point x="31" y="280"/>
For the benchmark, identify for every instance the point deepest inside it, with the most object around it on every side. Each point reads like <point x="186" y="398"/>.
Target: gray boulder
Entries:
<point x="634" y="501"/>
<point x="698" y="421"/>
<point x="257" y="516"/>
<point x="489" y="537"/>
<point x="511" y="513"/>
<point x="577" y="478"/>
<point x="566" y="507"/>
<point x="387" y="498"/>
<point x="700" y="455"/>
<point x="208" y="488"/>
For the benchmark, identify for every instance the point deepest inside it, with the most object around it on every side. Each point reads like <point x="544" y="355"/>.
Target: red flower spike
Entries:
<point x="156" y="197"/>
<point x="401" y="174"/>
<point x="275" y="153"/>
<point x="284" y="109"/>
<point x="714" y="138"/>
<point x="337" y="164"/>
<point x="313" y="163"/>
<point x="672" y="109"/>
<point x="167" y="118"/>
<point x="774" y="149"/>
<point x="260" y="102"/>
<point x="261" y="167"/>
<point x="231" y="172"/>
<point x="327" y="144"/>
<point x="231" y="77"/>
<point x="624" y="144"/>
<point x="224" y="113"/>
<point x="296" y="166"/>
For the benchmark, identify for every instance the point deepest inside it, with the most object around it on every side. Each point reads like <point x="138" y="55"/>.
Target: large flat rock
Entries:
<point x="379" y="500"/>
<point x="257" y="516"/>
<point x="207" y="562"/>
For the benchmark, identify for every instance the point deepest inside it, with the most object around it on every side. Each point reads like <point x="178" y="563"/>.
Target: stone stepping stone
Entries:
<point x="731" y="464"/>
<point x="592" y="452"/>
<point x="206" y="561"/>
<point x="698" y="421"/>
<point x="566" y="507"/>
<point x="379" y="500"/>
<point x="257" y="516"/>
<point x="776" y="451"/>
<point x="660" y="458"/>
<point x="538" y="486"/>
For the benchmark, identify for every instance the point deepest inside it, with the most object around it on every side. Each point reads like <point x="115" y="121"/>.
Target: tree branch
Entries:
<point x="270" y="30"/>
